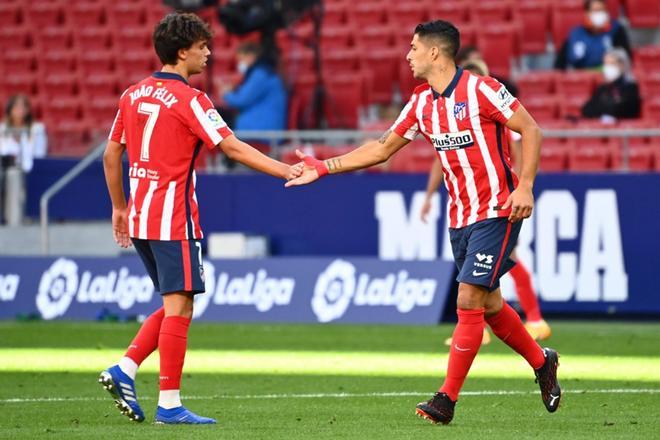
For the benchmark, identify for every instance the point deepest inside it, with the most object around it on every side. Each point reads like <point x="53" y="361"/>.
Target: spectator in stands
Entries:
<point x="587" y="43"/>
<point x="618" y="97"/>
<point x="260" y="98"/>
<point x="21" y="140"/>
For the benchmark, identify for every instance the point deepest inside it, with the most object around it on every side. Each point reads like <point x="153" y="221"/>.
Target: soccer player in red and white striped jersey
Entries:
<point x="464" y="117"/>
<point x="163" y="123"/>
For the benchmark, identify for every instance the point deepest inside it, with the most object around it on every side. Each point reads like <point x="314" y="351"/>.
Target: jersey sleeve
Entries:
<point x="117" y="132"/>
<point x="495" y="101"/>
<point x="205" y="121"/>
<point x="406" y="124"/>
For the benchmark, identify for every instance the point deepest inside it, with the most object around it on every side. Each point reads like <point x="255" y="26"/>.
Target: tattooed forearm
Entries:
<point x="384" y="137"/>
<point x="334" y="165"/>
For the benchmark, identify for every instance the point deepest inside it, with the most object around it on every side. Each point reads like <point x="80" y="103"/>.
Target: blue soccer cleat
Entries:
<point x="180" y="415"/>
<point x="122" y="389"/>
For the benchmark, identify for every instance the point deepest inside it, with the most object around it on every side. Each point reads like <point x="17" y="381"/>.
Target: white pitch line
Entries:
<point x="341" y="395"/>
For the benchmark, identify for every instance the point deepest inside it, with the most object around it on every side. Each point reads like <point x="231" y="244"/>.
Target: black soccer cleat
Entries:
<point x="546" y="377"/>
<point x="440" y="409"/>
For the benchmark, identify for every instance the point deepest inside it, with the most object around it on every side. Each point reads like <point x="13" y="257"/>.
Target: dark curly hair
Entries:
<point x="444" y="32"/>
<point x="178" y="31"/>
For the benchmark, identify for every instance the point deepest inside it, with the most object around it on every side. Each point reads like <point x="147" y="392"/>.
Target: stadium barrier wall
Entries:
<point x="356" y="290"/>
<point x="591" y="243"/>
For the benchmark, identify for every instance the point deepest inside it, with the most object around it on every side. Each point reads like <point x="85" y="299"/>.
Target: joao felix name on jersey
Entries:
<point x="163" y="123"/>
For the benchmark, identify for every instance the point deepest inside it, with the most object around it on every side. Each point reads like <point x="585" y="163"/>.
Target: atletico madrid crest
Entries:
<point x="460" y="110"/>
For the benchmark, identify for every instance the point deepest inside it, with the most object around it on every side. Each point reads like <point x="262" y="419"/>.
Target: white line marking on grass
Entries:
<point x="341" y="395"/>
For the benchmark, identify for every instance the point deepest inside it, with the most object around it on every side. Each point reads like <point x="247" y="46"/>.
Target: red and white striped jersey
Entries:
<point x="163" y="123"/>
<point x="465" y="124"/>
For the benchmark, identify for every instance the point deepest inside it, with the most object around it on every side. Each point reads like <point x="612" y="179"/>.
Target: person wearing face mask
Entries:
<point x="260" y="100"/>
<point x="587" y="43"/>
<point x="618" y="97"/>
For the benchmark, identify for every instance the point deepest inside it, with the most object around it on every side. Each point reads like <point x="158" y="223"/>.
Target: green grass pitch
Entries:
<point x="330" y="381"/>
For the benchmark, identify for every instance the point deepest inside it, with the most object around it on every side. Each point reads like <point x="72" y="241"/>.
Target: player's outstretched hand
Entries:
<point x="120" y="227"/>
<point x="521" y="202"/>
<point x="295" y="170"/>
<point x="313" y="169"/>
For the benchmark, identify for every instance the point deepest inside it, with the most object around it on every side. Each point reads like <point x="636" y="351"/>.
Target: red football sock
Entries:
<point x="509" y="328"/>
<point x="465" y="344"/>
<point x="146" y="340"/>
<point x="172" y="346"/>
<point x="525" y="291"/>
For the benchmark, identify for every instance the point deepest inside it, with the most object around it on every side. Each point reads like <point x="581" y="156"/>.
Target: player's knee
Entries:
<point x="470" y="296"/>
<point x="178" y="304"/>
<point x="494" y="303"/>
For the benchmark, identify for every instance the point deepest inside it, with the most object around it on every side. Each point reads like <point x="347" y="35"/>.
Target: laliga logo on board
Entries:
<point x="253" y="289"/>
<point x="339" y="285"/>
<point x="60" y="284"/>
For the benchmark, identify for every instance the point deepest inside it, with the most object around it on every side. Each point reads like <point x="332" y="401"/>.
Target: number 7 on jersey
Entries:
<point x="151" y="110"/>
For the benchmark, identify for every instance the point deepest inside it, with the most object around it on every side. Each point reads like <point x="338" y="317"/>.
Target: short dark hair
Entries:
<point x="587" y="3"/>
<point x="178" y="31"/>
<point x="443" y="31"/>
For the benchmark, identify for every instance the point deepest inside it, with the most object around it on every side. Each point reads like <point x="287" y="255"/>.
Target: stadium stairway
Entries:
<point x="71" y="238"/>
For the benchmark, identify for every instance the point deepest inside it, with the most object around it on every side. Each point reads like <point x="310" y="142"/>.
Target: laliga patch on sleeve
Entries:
<point x="504" y="98"/>
<point x="215" y="118"/>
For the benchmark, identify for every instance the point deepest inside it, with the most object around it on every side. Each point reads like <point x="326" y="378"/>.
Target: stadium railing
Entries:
<point x="281" y="140"/>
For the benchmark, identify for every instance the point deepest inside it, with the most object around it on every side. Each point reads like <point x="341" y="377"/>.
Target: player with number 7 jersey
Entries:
<point x="164" y="123"/>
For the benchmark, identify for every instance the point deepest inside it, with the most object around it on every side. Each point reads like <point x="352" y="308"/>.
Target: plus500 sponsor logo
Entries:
<point x="340" y="285"/>
<point x="254" y="289"/>
<point x="61" y="284"/>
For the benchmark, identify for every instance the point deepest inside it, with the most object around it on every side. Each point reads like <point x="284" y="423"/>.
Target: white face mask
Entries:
<point x="242" y="67"/>
<point x="611" y="72"/>
<point x="599" y="18"/>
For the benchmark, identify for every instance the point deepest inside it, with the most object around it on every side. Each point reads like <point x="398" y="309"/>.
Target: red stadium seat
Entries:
<point x="15" y="36"/>
<point x="98" y="61"/>
<point x="367" y="14"/>
<point x="102" y="85"/>
<point x="25" y="83"/>
<point x="408" y="14"/>
<point x="384" y="65"/>
<point x="85" y="14"/>
<point x="566" y="14"/>
<point x="223" y="62"/>
<point x="650" y="84"/>
<point x="336" y="37"/>
<point x="93" y="38"/>
<point x="641" y="158"/>
<point x="57" y="86"/>
<point x="44" y="14"/>
<point x="102" y="111"/>
<point x="648" y="58"/>
<point x="299" y="61"/>
<point x="456" y="12"/>
<point x="651" y="108"/>
<point x="138" y="38"/>
<point x="342" y="101"/>
<point x="301" y="109"/>
<point x="155" y="13"/>
<point x="68" y="139"/>
<point x="123" y="14"/>
<point x="57" y="61"/>
<point x="334" y="13"/>
<point x="10" y="14"/>
<point x="535" y="21"/>
<point x="536" y="83"/>
<point x="571" y="106"/>
<point x="499" y="45"/>
<point x="145" y="61"/>
<point x="591" y="156"/>
<point x="375" y="37"/>
<point x="62" y="109"/>
<point x="53" y="38"/>
<point x="20" y="60"/>
<point x="341" y="61"/>
<point x="554" y="155"/>
<point x="577" y="83"/>
<point x="543" y="107"/>
<point x="487" y="12"/>
<point x="643" y="13"/>
<point x="416" y="157"/>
